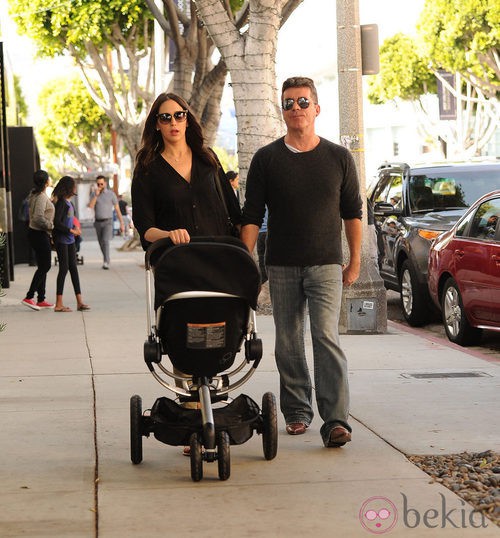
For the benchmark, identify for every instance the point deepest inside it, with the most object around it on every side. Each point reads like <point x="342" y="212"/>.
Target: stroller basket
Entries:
<point x="174" y="425"/>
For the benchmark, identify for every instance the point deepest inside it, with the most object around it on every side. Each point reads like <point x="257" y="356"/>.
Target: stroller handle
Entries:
<point x="167" y="243"/>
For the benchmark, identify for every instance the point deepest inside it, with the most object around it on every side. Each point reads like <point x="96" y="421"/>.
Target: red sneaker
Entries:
<point x="44" y="304"/>
<point x="30" y="304"/>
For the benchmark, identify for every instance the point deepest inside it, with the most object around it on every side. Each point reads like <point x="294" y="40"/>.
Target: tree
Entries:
<point x="404" y="73"/>
<point x="249" y="53"/>
<point x="464" y="37"/>
<point x="456" y="37"/>
<point x="20" y="103"/>
<point x="110" y="40"/>
<point x="75" y="131"/>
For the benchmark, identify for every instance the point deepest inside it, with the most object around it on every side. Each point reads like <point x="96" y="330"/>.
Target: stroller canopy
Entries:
<point x="213" y="264"/>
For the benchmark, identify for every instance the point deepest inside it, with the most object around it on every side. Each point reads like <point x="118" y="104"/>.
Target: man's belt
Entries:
<point x="102" y="220"/>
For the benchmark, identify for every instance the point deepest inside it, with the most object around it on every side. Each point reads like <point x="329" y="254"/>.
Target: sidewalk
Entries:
<point x="65" y="384"/>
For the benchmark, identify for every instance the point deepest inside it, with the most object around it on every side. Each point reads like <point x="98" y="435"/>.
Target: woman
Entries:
<point x="65" y="233"/>
<point x="175" y="192"/>
<point x="179" y="189"/>
<point x="41" y="217"/>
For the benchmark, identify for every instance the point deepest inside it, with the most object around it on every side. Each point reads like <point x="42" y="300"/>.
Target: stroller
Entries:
<point x="201" y="316"/>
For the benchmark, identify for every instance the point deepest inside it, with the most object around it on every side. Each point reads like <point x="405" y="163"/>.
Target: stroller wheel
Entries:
<point x="270" y="431"/>
<point x="223" y="455"/>
<point x="136" y="429"/>
<point x="196" y="455"/>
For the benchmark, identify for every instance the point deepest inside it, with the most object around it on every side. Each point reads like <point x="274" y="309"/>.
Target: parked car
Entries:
<point x="413" y="206"/>
<point x="464" y="272"/>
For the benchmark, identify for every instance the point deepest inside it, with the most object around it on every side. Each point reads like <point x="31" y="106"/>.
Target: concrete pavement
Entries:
<point x="65" y="384"/>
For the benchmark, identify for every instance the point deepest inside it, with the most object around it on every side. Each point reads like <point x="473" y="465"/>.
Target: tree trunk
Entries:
<point x="250" y="58"/>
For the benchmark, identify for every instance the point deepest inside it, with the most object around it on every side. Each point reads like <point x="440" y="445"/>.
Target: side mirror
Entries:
<point x="384" y="209"/>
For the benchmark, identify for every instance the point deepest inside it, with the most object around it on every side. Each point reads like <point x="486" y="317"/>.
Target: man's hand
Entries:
<point x="350" y="273"/>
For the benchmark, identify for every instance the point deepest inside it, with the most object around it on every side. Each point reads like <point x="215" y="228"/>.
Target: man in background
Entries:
<point x="104" y="201"/>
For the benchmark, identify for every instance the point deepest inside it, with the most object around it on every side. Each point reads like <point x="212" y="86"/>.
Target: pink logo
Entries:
<point x="378" y="515"/>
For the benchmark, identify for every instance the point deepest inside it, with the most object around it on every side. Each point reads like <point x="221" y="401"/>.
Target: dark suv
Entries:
<point x="412" y="206"/>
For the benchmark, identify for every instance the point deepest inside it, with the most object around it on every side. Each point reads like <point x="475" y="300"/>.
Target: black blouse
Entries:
<point x="162" y="198"/>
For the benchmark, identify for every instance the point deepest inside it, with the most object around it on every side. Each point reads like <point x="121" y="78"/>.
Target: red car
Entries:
<point x="464" y="272"/>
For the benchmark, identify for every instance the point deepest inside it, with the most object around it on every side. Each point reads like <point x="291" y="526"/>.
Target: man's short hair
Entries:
<point x="101" y="177"/>
<point x="231" y="174"/>
<point x="300" y="82"/>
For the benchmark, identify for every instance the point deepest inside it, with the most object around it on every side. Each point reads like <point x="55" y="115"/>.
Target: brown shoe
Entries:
<point x="296" y="428"/>
<point x="339" y="436"/>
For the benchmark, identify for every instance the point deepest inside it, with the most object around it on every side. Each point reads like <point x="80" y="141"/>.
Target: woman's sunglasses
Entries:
<point x="303" y="102"/>
<point x="166" y="118"/>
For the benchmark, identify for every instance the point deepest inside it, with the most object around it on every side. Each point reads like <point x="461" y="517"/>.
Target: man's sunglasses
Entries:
<point x="166" y="118"/>
<point x="303" y="102"/>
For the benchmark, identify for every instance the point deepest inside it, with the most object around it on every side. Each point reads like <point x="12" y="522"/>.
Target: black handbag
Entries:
<point x="232" y="229"/>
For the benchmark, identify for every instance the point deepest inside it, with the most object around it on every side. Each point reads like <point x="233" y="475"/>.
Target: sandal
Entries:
<point x="63" y="309"/>
<point x="296" y="428"/>
<point x="83" y="307"/>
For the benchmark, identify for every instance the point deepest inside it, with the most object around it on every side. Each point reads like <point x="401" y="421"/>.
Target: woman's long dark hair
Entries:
<point x="64" y="189"/>
<point x="152" y="141"/>
<point x="40" y="178"/>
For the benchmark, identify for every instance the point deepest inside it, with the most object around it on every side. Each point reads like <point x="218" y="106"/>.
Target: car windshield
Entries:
<point x="450" y="189"/>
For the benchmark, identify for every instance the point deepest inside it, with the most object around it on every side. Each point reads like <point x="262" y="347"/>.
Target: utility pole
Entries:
<point x="364" y="305"/>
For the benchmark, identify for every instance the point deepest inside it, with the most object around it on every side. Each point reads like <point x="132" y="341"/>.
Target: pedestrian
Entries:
<point x="177" y="187"/>
<point x="104" y="202"/>
<point x="310" y="187"/>
<point x="65" y="232"/>
<point x="41" y="223"/>
<point x="234" y="179"/>
<point x="122" y="203"/>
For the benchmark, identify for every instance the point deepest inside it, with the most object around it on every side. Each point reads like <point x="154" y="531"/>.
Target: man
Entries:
<point x="104" y="201"/>
<point x="309" y="186"/>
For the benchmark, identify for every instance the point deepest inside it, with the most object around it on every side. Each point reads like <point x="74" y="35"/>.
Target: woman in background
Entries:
<point x="41" y="217"/>
<point x="65" y="232"/>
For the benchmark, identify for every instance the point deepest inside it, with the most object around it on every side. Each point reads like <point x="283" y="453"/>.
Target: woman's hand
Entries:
<point x="179" y="236"/>
<point x="76" y="231"/>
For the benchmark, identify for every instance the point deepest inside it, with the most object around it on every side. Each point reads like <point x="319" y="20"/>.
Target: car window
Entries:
<point x="461" y="228"/>
<point x="389" y="189"/>
<point x="450" y="188"/>
<point x="485" y="221"/>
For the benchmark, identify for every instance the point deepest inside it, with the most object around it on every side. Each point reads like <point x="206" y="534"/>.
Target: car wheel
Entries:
<point x="457" y="327"/>
<point x="413" y="303"/>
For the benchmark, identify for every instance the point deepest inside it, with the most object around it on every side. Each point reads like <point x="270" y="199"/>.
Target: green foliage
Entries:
<point x="464" y="36"/>
<point x="455" y="35"/>
<point x="236" y="5"/>
<point x="72" y="120"/>
<point x="57" y="26"/>
<point x="228" y="162"/>
<point x="403" y="72"/>
<point x="21" y="105"/>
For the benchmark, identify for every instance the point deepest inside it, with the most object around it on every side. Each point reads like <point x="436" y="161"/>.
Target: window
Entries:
<point x="485" y="221"/>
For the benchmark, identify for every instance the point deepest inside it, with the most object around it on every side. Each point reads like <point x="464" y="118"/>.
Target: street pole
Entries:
<point x="364" y="304"/>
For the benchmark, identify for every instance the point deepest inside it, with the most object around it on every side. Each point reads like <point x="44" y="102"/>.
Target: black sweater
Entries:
<point x="308" y="194"/>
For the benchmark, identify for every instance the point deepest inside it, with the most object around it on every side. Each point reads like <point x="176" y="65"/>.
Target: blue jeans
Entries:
<point x="320" y="288"/>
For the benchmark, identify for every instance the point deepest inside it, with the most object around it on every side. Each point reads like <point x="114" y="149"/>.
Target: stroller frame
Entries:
<point x="208" y="431"/>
